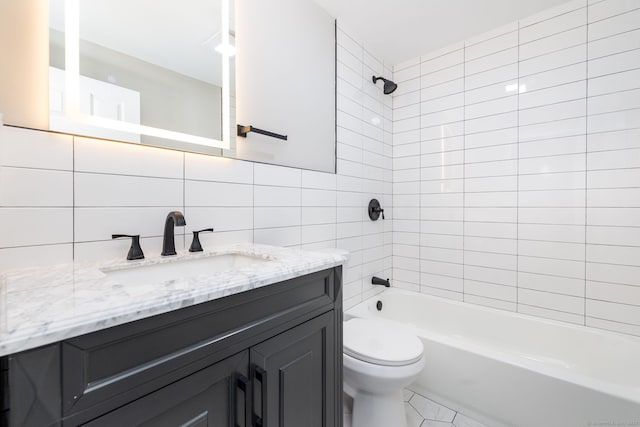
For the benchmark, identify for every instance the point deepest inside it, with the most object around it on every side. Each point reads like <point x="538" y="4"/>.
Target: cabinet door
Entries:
<point x="294" y="377"/>
<point x="211" y="397"/>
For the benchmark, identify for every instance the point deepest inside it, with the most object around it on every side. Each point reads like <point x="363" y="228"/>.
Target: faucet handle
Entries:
<point x="375" y="210"/>
<point x="135" y="251"/>
<point x="195" y="244"/>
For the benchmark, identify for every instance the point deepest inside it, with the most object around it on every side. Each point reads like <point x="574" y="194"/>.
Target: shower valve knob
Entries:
<point x="375" y="210"/>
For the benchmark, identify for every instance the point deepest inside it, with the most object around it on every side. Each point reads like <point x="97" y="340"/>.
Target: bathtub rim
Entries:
<point x="624" y="392"/>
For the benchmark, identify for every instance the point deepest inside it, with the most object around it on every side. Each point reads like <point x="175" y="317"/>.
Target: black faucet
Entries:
<point x="174" y="218"/>
<point x="378" y="281"/>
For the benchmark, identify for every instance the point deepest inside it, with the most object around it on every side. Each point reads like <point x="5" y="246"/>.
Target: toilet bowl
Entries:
<point x="379" y="361"/>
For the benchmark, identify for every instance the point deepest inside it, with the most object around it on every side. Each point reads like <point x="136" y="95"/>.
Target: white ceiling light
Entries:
<point x="215" y="43"/>
<point x="226" y="49"/>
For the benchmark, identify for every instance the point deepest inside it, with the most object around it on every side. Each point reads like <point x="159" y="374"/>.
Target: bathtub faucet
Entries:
<point x="378" y="281"/>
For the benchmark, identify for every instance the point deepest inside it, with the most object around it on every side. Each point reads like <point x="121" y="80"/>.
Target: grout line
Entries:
<point x="39" y="245"/>
<point x="548" y="53"/>
<point x="184" y="195"/>
<point x="518" y="186"/>
<point x="599" y="76"/>
<point x="73" y="199"/>
<point x="359" y="89"/>
<point x="489" y="39"/>
<point x="504" y="270"/>
<point x="38" y="169"/>
<point x="616" y="322"/>
<point x="622" y="52"/>
<point x="464" y="161"/>
<point x="442" y="82"/>
<point x="301" y="223"/>
<point x="363" y="107"/>
<point x="586" y="177"/>
<point x="128" y="175"/>
<point x="419" y="201"/>
<point x="553" y="310"/>
<point x="253" y="203"/>
<point x="340" y="61"/>
<point x="489" y="70"/>
<point x="345" y="33"/>
<point x="362" y="287"/>
<point x="613" y="35"/>
<point x="625" y="110"/>
<point x="553" y="34"/>
<point x="610" y="17"/>
<point x="423" y="101"/>
<point x="552" y="17"/>
<point x="439" y="56"/>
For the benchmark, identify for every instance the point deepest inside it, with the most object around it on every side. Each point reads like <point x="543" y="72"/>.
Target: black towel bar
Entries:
<point x="244" y="130"/>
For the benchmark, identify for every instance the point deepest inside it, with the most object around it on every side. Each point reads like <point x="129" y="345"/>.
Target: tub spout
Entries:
<point x="378" y="281"/>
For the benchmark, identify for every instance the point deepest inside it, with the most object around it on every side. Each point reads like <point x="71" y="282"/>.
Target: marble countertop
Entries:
<point x="39" y="306"/>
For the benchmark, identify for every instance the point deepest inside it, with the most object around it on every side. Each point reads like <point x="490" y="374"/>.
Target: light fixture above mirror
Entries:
<point x="89" y="98"/>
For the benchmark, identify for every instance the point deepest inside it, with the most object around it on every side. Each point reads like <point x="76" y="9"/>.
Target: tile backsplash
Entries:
<point x="517" y="167"/>
<point x="61" y="197"/>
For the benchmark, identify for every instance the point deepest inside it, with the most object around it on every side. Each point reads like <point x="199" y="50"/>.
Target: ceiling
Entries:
<point x="398" y="30"/>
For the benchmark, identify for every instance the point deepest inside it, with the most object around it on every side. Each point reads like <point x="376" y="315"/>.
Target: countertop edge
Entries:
<point x="52" y="332"/>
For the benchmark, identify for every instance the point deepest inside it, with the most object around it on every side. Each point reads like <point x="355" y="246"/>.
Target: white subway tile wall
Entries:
<point x="61" y="197"/>
<point x="511" y="176"/>
<point x="516" y="167"/>
<point x="364" y="168"/>
<point x="612" y="163"/>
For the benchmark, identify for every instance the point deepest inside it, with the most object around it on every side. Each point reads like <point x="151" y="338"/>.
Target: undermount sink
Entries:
<point x="185" y="268"/>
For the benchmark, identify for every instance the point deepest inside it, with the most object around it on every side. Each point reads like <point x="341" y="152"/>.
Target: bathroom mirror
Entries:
<point x="287" y="83"/>
<point x="155" y="72"/>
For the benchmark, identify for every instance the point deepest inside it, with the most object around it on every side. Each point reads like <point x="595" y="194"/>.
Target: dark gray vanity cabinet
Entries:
<point x="203" y="399"/>
<point x="266" y="357"/>
<point x="293" y="378"/>
<point x="4" y="392"/>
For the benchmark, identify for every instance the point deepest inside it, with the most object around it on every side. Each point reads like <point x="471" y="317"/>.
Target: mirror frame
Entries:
<point x="72" y="82"/>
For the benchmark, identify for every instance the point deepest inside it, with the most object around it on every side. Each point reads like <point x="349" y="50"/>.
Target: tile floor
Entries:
<point x="422" y="412"/>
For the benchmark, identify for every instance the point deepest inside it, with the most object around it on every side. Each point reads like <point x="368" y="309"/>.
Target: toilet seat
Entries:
<point x="380" y="343"/>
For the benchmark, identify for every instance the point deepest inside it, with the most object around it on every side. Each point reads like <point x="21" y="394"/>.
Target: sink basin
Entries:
<point x="185" y="268"/>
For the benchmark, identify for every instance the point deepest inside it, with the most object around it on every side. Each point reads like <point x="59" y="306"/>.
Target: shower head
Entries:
<point x="389" y="86"/>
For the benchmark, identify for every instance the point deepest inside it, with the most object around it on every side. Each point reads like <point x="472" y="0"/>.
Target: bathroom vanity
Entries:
<point x="255" y="345"/>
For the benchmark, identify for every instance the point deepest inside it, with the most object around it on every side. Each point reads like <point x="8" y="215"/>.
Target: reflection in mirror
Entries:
<point x="155" y="72"/>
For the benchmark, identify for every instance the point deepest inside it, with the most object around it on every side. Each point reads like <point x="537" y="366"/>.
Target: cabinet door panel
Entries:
<point x="204" y="399"/>
<point x="298" y="378"/>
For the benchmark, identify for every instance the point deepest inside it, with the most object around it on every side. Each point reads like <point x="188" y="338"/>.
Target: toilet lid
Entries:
<point x="381" y="343"/>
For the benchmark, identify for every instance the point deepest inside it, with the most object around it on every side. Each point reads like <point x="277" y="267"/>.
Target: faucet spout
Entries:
<point x="378" y="281"/>
<point x="174" y="219"/>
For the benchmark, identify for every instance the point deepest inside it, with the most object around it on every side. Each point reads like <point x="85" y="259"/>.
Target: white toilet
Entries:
<point x="380" y="360"/>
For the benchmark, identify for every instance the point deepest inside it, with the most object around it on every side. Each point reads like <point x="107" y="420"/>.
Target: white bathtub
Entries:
<point x="514" y="370"/>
